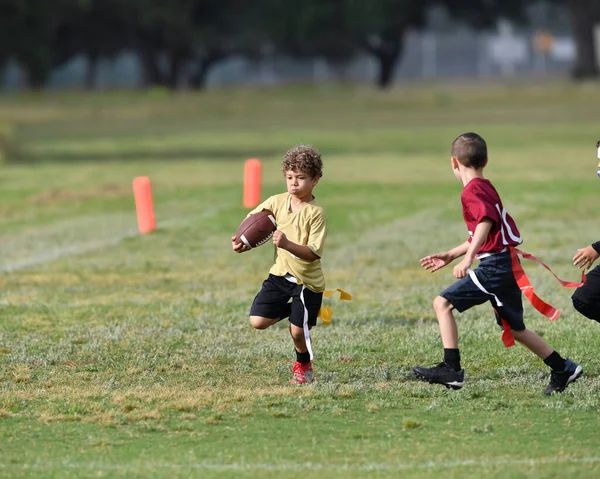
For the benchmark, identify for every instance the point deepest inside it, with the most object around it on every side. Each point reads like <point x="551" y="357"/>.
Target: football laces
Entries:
<point x="265" y="240"/>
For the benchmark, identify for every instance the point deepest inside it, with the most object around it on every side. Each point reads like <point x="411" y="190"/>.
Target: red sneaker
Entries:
<point x="303" y="373"/>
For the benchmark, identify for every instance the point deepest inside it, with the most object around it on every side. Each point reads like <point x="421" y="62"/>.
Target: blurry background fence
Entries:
<point x="194" y="44"/>
<point x="427" y="56"/>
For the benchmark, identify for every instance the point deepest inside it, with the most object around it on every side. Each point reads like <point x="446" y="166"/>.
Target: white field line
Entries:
<point x="85" y="247"/>
<point x="305" y="466"/>
<point x="58" y="253"/>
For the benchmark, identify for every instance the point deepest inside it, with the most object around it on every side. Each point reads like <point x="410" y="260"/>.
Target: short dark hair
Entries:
<point x="305" y="158"/>
<point x="470" y="150"/>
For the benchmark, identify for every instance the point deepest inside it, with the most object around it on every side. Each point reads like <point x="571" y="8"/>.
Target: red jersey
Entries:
<point x="481" y="200"/>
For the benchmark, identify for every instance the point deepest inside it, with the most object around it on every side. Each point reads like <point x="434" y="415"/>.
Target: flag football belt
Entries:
<point x="527" y="289"/>
<point x="325" y="313"/>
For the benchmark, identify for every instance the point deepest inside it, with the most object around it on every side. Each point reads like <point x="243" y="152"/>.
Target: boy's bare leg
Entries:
<point x="259" y="322"/>
<point x="448" y="329"/>
<point x="564" y="371"/>
<point x="449" y="373"/>
<point x="297" y="335"/>
<point x="533" y="342"/>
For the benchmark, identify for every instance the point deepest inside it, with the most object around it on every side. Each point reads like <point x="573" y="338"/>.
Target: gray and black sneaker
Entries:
<point x="560" y="380"/>
<point x="441" y="374"/>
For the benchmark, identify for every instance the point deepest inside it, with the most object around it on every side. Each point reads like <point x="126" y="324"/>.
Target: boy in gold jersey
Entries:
<point x="299" y="242"/>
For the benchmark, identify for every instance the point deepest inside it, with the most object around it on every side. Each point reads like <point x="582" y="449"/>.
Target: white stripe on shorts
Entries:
<point x="475" y="280"/>
<point x="305" y="324"/>
<point x="292" y="279"/>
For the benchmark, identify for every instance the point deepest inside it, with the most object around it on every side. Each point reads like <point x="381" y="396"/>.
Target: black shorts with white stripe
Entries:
<point x="586" y="299"/>
<point x="273" y="301"/>
<point x="494" y="282"/>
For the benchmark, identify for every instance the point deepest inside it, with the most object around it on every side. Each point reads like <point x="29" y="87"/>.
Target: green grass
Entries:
<point x="131" y="356"/>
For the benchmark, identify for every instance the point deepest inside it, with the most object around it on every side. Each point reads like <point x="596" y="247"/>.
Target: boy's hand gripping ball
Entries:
<point x="256" y="229"/>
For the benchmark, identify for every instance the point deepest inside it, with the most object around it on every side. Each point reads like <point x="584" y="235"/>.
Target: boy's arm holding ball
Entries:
<point x="301" y="251"/>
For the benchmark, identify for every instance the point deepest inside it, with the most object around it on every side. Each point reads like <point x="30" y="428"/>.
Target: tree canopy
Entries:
<point x="178" y="41"/>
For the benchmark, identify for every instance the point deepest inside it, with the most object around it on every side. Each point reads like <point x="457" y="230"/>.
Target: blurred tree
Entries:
<point x="223" y="28"/>
<point x="184" y="39"/>
<point x="27" y="30"/>
<point x="310" y="28"/>
<point x="585" y="15"/>
<point x="482" y="14"/>
<point x="338" y="29"/>
<point x="162" y="35"/>
<point x="179" y="41"/>
<point x="94" y="28"/>
<point x="381" y="28"/>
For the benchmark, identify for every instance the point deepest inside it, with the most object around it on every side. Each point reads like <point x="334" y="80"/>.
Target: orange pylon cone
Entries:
<point x="252" y="179"/>
<point x="143" y="204"/>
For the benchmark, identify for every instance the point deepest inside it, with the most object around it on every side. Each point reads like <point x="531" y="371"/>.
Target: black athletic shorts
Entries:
<point x="586" y="299"/>
<point x="272" y="301"/>
<point x="495" y="275"/>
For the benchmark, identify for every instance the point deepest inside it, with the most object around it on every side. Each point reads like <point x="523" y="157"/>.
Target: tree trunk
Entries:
<point x="177" y="61"/>
<point x="91" y="72"/>
<point x="387" y="54"/>
<point x="36" y="66"/>
<point x="198" y="79"/>
<point x="3" y="61"/>
<point x="36" y="76"/>
<point x="151" y="73"/>
<point x="584" y="15"/>
<point x="387" y="49"/>
<point x="206" y="62"/>
<point x="386" y="70"/>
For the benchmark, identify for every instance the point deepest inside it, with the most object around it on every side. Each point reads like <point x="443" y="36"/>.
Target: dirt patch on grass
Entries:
<point x="107" y="190"/>
<point x="48" y="418"/>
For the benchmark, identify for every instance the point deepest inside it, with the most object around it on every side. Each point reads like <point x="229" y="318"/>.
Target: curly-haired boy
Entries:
<point x="299" y="242"/>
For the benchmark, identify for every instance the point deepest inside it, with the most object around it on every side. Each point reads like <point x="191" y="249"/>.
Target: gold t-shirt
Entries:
<point x="306" y="226"/>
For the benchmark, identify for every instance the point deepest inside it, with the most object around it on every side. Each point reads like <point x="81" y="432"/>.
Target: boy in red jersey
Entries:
<point x="492" y="233"/>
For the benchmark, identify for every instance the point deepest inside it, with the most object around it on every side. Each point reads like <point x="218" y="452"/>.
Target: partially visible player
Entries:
<point x="492" y="233"/>
<point x="299" y="242"/>
<point x="586" y="299"/>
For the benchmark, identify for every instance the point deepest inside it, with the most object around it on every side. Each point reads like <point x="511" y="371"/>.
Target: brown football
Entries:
<point x="256" y="229"/>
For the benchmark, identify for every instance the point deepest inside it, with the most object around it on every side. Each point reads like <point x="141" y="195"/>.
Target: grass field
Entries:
<point x="131" y="356"/>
